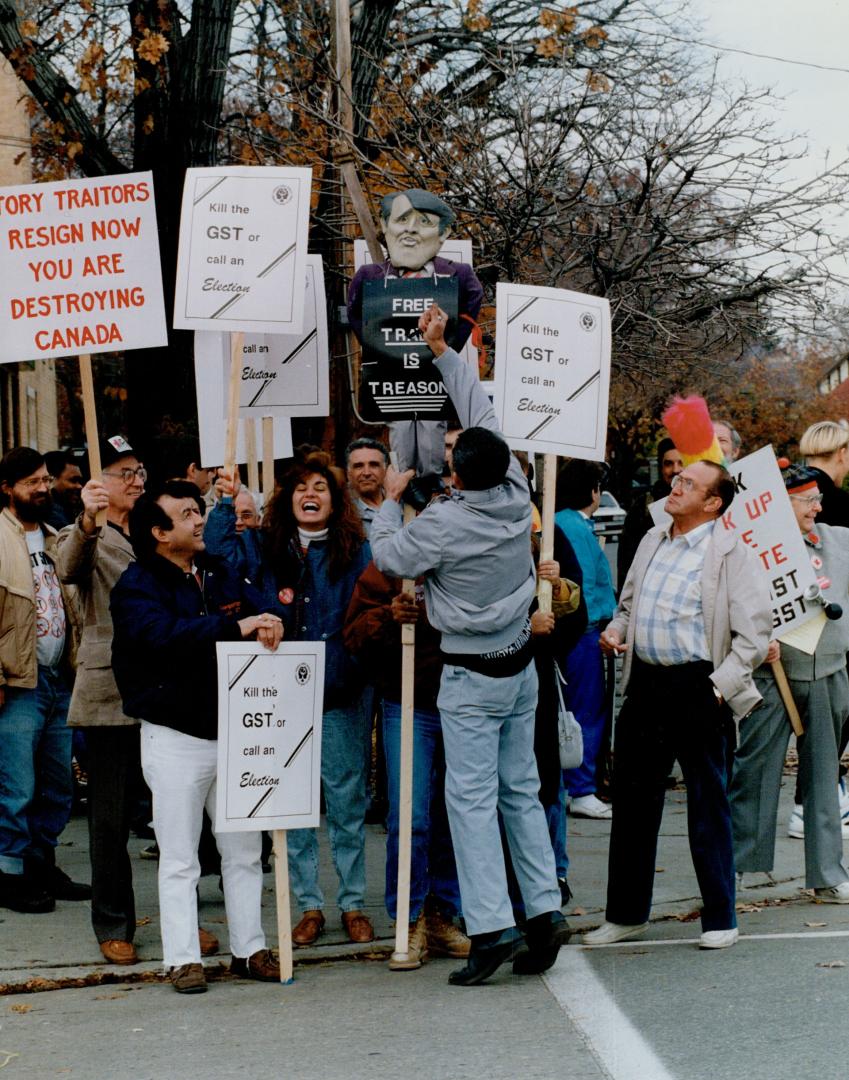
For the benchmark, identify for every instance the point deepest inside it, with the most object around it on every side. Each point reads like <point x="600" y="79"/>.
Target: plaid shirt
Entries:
<point x="670" y="625"/>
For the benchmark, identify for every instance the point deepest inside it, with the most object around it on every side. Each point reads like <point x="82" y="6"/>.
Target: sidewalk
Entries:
<point x="59" y="949"/>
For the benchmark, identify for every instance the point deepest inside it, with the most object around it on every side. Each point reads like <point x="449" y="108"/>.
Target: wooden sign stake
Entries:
<point x="546" y="550"/>
<point x="405" y="794"/>
<point x="267" y="461"/>
<point x="281" y="847"/>
<point x="236" y="343"/>
<point x="787" y="697"/>
<point x="92" y="437"/>
<point x="250" y="452"/>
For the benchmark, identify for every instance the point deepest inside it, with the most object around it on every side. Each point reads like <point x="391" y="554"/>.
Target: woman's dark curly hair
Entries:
<point x="345" y="534"/>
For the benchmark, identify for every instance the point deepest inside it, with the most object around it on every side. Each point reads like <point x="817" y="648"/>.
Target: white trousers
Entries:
<point x="180" y="771"/>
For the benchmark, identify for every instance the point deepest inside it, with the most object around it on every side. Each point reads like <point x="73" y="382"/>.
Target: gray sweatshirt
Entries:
<point x="832" y="546"/>
<point x="473" y="548"/>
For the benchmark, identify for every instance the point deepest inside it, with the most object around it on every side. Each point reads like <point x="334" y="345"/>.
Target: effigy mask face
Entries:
<point x="412" y="236"/>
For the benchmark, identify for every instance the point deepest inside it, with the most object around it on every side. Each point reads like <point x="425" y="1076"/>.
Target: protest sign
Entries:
<point x="398" y="379"/>
<point x="279" y="374"/>
<point x="552" y="370"/>
<point x="243" y="244"/>
<point x="457" y="251"/>
<point x="210" y="401"/>
<point x="269" y="735"/>
<point x="762" y="516"/>
<point x="79" y="268"/>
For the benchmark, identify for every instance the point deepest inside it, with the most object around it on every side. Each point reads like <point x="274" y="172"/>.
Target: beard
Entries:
<point x="33" y="509"/>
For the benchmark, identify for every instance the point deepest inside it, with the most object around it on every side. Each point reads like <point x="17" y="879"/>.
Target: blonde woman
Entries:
<point x="825" y="447"/>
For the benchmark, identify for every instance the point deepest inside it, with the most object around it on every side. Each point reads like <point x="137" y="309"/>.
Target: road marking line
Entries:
<point x="641" y="943"/>
<point x="610" y="1035"/>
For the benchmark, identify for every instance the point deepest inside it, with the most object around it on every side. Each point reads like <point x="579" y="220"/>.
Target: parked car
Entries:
<point x="610" y="517"/>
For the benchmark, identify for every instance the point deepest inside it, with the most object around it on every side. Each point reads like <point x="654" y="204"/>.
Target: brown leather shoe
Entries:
<point x="444" y="938"/>
<point x="262" y="965"/>
<point x="208" y="942"/>
<point x="358" y="926"/>
<point x="308" y="929"/>
<point x="119" y="952"/>
<point x="188" y="979"/>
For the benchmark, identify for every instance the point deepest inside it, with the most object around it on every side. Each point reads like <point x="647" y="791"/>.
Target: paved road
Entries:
<point x="773" y="1007"/>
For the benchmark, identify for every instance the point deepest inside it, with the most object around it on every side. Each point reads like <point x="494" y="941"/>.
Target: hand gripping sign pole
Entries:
<point x="405" y="793"/>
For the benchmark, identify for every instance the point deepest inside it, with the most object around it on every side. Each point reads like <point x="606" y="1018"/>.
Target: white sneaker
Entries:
<point x="590" y="806"/>
<point x="610" y="932"/>
<point x="836" y="894"/>
<point x="796" y="822"/>
<point x="718" y="939"/>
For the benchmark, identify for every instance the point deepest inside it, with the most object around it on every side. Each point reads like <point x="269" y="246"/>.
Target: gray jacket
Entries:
<point x="474" y="548"/>
<point x="832" y="546"/>
<point x="736" y="607"/>
<point x="94" y="563"/>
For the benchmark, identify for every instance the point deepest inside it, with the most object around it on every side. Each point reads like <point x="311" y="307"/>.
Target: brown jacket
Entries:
<point x="94" y="564"/>
<point x="18" y="664"/>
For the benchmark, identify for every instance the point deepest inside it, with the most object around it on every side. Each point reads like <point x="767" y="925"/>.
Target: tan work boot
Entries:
<point x="416" y="948"/>
<point x="444" y="938"/>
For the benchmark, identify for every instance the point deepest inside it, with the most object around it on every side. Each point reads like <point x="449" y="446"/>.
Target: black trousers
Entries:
<point x="114" y="775"/>
<point x="671" y="713"/>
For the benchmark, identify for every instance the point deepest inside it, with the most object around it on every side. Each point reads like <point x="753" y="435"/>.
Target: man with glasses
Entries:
<point x="35" y="744"/>
<point x="693" y="622"/>
<point x="820" y="688"/>
<point x="93" y="557"/>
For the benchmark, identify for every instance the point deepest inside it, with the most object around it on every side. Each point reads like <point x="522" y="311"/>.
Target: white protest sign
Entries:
<point x="79" y="268"/>
<point x="280" y="374"/>
<point x="552" y="370"/>
<point x="457" y="251"/>
<point x="762" y="516"/>
<point x="269" y="735"/>
<point x="243" y="244"/>
<point x="211" y="428"/>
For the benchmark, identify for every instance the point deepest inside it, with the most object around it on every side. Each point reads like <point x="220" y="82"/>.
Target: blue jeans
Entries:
<point x="488" y="728"/>
<point x="433" y="871"/>
<point x="345" y="755"/>
<point x="586" y="697"/>
<point x="36" y="789"/>
<point x="555" y="815"/>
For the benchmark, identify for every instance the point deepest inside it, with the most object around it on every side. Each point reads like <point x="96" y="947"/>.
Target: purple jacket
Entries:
<point x="470" y="295"/>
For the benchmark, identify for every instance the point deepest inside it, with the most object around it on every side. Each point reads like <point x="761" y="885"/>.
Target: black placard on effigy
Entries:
<point x="398" y="379"/>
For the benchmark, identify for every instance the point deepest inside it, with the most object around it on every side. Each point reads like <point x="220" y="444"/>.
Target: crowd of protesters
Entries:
<point x="115" y="592"/>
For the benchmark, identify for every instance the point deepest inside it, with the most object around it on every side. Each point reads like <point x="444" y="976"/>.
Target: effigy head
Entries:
<point x="415" y="225"/>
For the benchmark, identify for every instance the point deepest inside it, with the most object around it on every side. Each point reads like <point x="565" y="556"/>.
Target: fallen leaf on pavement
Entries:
<point x="143" y="921"/>
<point x="21" y="1008"/>
<point x="832" y="963"/>
<point x="578" y="911"/>
<point x="813" y="924"/>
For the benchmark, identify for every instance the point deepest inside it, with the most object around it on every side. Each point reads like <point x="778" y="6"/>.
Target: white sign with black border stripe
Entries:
<point x="243" y="245"/>
<point x="269" y="735"/>
<point x="552" y="370"/>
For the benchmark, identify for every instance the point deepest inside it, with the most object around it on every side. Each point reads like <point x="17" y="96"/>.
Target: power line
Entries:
<point x="746" y="52"/>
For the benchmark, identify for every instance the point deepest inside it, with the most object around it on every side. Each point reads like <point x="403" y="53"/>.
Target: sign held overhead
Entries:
<point x="79" y="268"/>
<point x="243" y="247"/>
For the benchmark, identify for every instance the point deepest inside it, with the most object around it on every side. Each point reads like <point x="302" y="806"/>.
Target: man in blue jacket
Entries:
<point x="169" y="609"/>
<point x="474" y="551"/>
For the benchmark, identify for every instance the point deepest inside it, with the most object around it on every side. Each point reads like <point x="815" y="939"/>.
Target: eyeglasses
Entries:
<point x="811" y="500"/>
<point x="685" y="482"/>
<point x="128" y="474"/>
<point x="35" y="482"/>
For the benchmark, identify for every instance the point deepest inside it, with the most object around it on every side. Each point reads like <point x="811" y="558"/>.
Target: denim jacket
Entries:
<point x="317" y="613"/>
